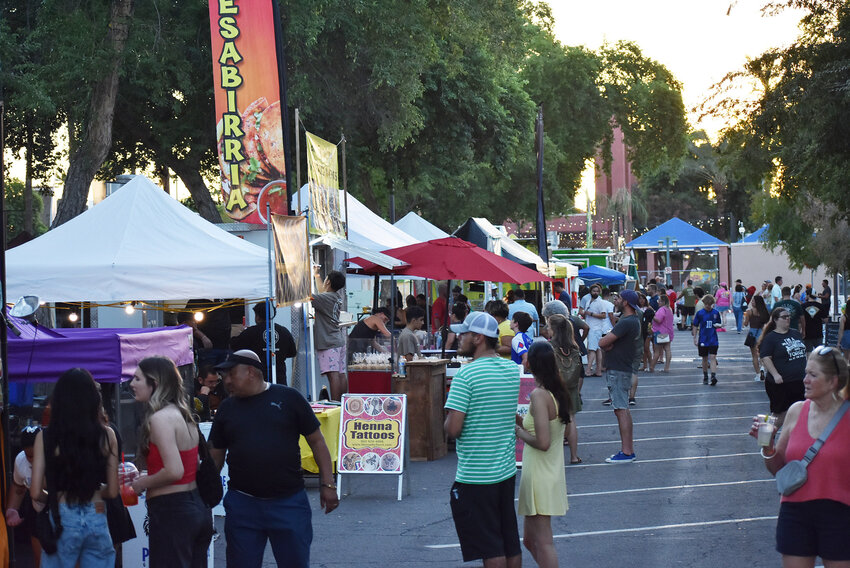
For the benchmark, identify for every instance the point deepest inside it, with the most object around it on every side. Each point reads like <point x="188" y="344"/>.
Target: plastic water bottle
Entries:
<point x="402" y="370"/>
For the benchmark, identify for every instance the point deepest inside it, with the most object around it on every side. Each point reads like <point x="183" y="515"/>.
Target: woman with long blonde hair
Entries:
<point x="568" y="359"/>
<point x="180" y="524"/>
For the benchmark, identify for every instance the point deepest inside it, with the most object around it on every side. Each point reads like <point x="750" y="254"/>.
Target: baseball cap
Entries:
<point x="631" y="297"/>
<point x="241" y="357"/>
<point x="478" y="322"/>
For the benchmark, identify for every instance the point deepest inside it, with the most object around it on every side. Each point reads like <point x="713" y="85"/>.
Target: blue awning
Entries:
<point x="687" y="236"/>
<point x="601" y="275"/>
<point x="756" y="237"/>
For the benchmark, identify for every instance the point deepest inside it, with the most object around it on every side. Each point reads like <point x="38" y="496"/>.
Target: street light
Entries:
<point x="665" y="242"/>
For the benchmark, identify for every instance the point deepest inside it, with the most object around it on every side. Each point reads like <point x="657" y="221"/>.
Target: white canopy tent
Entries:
<point x="137" y="244"/>
<point x="419" y="228"/>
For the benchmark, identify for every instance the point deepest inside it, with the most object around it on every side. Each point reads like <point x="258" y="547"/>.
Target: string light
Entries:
<point x="73" y="317"/>
<point x="130" y="308"/>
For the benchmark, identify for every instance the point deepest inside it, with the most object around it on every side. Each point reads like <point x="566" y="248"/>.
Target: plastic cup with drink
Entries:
<point x="127" y="473"/>
<point x="767" y="425"/>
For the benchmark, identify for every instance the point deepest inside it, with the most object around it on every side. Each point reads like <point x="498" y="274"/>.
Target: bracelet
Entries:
<point x="328" y="485"/>
<point x="771" y="456"/>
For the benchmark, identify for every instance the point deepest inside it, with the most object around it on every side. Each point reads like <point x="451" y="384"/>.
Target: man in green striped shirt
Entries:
<point x="481" y="413"/>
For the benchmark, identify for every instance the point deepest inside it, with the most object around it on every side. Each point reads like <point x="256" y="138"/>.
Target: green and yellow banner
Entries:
<point x="326" y="209"/>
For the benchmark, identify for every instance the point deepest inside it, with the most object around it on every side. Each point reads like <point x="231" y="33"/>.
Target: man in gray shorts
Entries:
<point x="622" y="344"/>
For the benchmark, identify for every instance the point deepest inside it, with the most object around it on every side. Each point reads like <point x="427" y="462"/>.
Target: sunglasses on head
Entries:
<point x="823" y="351"/>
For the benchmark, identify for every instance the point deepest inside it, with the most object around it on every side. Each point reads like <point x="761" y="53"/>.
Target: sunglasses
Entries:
<point x="824" y="350"/>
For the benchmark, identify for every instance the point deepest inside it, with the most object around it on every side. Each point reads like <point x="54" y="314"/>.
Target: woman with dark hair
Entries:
<point x="20" y="511"/>
<point x="755" y="317"/>
<point x="662" y="325"/>
<point x="647" y="314"/>
<point x="459" y="312"/>
<point x="77" y="457"/>
<point x="783" y="355"/>
<point x="543" y="487"/>
<point x="568" y="359"/>
<point x="180" y="527"/>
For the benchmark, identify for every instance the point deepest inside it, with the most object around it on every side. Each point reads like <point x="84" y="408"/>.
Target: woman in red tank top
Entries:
<point x="180" y="525"/>
<point x="813" y="520"/>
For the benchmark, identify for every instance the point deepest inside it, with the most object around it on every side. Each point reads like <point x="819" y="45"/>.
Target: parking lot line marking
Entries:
<point x="637" y="529"/>
<point x="669" y="488"/>
<point x="688" y="384"/>
<point x="677" y="407"/>
<point x="617" y="441"/>
<point x="691" y="394"/>
<point x="614" y="424"/>
<point x="664" y="460"/>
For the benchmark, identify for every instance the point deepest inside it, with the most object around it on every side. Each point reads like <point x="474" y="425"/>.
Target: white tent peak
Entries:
<point x="137" y="244"/>
<point x="414" y="225"/>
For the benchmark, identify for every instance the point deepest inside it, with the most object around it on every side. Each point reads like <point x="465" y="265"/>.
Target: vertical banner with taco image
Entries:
<point x="248" y="109"/>
<point x="292" y="259"/>
<point x="326" y="210"/>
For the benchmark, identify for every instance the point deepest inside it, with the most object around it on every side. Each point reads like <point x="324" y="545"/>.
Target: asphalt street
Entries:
<point x="697" y="496"/>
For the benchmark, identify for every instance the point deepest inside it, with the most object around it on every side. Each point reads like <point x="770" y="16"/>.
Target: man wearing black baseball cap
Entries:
<point x="258" y="427"/>
<point x="622" y="344"/>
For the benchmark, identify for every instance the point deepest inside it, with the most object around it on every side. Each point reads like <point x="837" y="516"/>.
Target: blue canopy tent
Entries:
<point x="687" y="236"/>
<point x="756" y="237"/>
<point x="601" y="275"/>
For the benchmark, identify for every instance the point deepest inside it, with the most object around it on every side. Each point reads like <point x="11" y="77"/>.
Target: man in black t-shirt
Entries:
<point x="826" y="294"/>
<point x="622" y="345"/>
<point x="258" y="427"/>
<point x="814" y="312"/>
<point x="254" y="338"/>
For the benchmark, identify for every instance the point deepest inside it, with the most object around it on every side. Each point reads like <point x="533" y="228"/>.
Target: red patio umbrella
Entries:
<point x="452" y="258"/>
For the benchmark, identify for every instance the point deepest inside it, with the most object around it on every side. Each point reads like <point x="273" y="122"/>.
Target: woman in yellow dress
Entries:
<point x="543" y="487"/>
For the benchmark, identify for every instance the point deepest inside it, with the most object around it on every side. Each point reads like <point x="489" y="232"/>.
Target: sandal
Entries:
<point x="578" y="461"/>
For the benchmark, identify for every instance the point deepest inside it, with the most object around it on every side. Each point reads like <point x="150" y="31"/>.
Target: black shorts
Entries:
<point x="814" y="528"/>
<point x="485" y="519"/>
<point x="782" y="396"/>
<point x="706" y="350"/>
<point x="688" y="311"/>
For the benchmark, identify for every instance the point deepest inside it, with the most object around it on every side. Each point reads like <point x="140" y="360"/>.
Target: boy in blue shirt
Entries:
<point x="520" y="323"/>
<point x="705" y="325"/>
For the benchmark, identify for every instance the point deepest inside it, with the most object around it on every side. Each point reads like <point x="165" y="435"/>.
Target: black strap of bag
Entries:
<point x="208" y="478"/>
<point x="49" y="530"/>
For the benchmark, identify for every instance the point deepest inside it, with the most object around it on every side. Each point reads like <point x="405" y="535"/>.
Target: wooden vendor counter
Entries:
<point x="425" y="387"/>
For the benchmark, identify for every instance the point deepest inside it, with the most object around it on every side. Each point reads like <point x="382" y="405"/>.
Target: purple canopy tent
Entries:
<point x="40" y="354"/>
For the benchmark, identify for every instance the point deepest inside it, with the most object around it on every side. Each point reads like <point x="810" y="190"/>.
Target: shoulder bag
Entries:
<point x="48" y="524"/>
<point x="208" y="478"/>
<point x="750" y="340"/>
<point x="793" y="474"/>
<point x="121" y="527"/>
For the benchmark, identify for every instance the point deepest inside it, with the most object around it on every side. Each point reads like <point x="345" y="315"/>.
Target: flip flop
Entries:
<point x="578" y="461"/>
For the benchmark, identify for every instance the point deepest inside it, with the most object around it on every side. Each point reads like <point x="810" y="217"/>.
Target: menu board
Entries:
<point x="371" y="433"/>
<point x="526" y="385"/>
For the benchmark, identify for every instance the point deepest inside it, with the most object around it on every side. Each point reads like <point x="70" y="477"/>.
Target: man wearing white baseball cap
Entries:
<point x="481" y="415"/>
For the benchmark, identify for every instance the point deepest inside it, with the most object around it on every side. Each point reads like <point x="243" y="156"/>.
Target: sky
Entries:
<point x="695" y="39"/>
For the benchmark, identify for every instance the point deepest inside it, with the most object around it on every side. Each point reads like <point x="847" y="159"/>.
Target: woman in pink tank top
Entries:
<point x="813" y="520"/>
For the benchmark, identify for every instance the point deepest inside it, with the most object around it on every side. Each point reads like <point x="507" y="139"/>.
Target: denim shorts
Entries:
<point x="85" y="538"/>
<point x="619" y="384"/>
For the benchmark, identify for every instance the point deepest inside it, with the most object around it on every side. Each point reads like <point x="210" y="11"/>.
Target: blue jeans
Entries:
<point x="85" y="539"/>
<point x="739" y="316"/>
<point x="251" y="521"/>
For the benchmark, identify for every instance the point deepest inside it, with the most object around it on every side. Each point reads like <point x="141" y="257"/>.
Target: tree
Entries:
<point x="16" y="216"/>
<point x="799" y="134"/>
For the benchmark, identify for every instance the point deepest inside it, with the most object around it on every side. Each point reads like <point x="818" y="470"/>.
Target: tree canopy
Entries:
<point x="436" y="101"/>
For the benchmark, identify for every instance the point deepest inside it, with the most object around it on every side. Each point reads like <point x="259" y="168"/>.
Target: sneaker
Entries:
<point x="721" y="329"/>
<point x="757" y="378"/>
<point x="607" y="402"/>
<point x="632" y="402"/>
<point x="713" y="381"/>
<point x="620" y="457"/>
